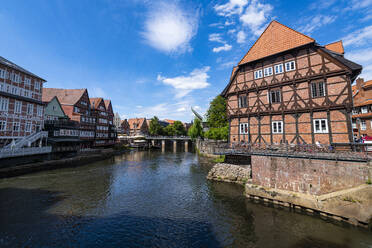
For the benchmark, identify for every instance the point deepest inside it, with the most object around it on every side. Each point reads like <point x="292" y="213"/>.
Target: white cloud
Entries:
<point x="359" y="4"/>
<point x="256" y="16"/>
<point x="317" y="22"/>
<point x="241" y="37"/>
<point x="225" y="47"/>
<point x="216" y="38"/>
<point x="367" y="72"/>
<point x="359" y="37"/>
<point x="97" y="92"/>
<point x="231" y="31"/>
<point x="170" y="29"/>
<point x="197" y="79"/>
<point x="232" y="7"/>
<point x="360" y="56"/>
<point x="225" y="65"/>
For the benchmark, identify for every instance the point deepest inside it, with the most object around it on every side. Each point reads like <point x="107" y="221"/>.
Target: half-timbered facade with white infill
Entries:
<point x="288" y="89"/>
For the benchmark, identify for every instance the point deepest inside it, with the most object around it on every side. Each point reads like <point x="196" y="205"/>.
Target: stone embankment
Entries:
<point x="230" y="173"/>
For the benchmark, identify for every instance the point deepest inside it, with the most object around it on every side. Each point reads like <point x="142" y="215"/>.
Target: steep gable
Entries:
<point x="65" y="96"/>
<point x="95" y="102"/>
<point x="336" y="47"/>
<point x="275" y="39"/>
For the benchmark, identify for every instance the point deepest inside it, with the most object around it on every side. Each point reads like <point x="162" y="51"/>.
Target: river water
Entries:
<point x="152" y="199"/>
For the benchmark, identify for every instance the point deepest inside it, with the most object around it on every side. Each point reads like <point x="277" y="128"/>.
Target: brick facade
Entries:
<point x="21" y="108"/>
<point x="362" y="111"/>
<point x="301" y="95"/>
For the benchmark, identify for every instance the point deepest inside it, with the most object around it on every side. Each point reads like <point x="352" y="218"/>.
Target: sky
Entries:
<point x="163" y="57"/>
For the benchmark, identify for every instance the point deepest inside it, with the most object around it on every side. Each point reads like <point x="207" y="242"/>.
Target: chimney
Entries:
<point x="359" y="83"/>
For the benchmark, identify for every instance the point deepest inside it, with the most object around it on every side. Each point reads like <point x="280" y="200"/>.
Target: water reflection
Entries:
<point x="151" y="199"/>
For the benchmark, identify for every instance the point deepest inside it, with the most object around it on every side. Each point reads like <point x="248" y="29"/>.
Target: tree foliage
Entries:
<point x="216" y="114"/>
<point x="217" y="133"/>
<point x="196" y="130"/>
<point x="155" y="127"/>
<point x="179" y="128"/>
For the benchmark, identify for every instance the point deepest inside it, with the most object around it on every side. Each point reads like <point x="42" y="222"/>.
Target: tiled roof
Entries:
<point x="6" y="62"/>
<point x="364" y="103"/>
<point x="95" y="101"/>
<point x="107" y="103"/>
<point x="362" y="115"/>
<point x="65" y="96"/>
<point x="138" y="121"/>
<point x="354" y="89"/>
<point x="336" y="47"/>
<point x="275" y="39"/>
<point x="367" y="83"/>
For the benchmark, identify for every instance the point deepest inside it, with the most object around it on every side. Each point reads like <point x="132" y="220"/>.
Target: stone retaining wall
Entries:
<point x="230" y="173"/>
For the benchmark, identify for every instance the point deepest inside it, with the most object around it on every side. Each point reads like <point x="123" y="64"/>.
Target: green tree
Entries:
<point x="216" y="114"/>
<point x="155" y="127"/>
<point x="169" y="130"/>
<point x="220" y="133"/>
<point x="196" y="130"/>
<point x="179" y="128"/>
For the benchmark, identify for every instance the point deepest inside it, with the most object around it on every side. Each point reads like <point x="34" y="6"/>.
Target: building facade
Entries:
<point x="362" y="111"/>
<point x="76" y="105"/>
<point x="112" y="127"/>
<point x="137" y="126"/>
<point x="288" y="89"/>
<point x="21" y="107"/>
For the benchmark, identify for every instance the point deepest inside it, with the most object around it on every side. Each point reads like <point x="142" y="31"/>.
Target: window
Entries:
<point x="30" y="108"/>
<point x="290" y="66"/>
<point x="355" y="111"/>
<point x="76" y="110"/>
<point x="277" y="127"/>
<point x="242" y="102"/>
<point x="18" y="107"/>
<point x="354" y="125"/>
<point x="39" y="110"/>
<point x="317" y="89"/>
<point x="2" y="125"/>
<point x="16" y="126"/>
<point x="320" y="126"/>
<point x="28" y="126"/>
<point x="268" y="71"/>
<point x="274" y="96"/>
<point x="37" y="85"/>
<point x="27" y="81"/>
<point x="278" y="68"/>
<point x="364" y="110"/>
<point x="84" y="103"/>
<point x="258" y="74"/>
<point x="243" y="128"/>
<point x="4" y="103"/>
<point x="363" y="125"/>
<point x="2" y="73"/>
<point x="26" y="93"/>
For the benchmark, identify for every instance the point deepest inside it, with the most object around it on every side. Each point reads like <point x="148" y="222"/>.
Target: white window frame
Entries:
<point x="39" y="110"/>
<point x="277" y="127"/>
<point x="279" y="69"/>
<point x="320" y="121"/>
<point x="30" y="109"/>
<point x="2" y="125"/>
<point x="17" y="107"/>
<point x="268" y="71"/>
<point x="243" y="128"/>
<point x="288" y="66"/>
<point x="28" y="127"/>
<point x="316" y="86"/>
<point x="257" y="74"/>
<point x="354" y="125"/>
<point x="364" y="110"/>
<point x="4" y="104"/>
<point x="363" y="125"/>
<point x="16" y="126"/>
<point x="355" y="111"/>
<point x="270" y="96"/>
<point x="37" y="85"/>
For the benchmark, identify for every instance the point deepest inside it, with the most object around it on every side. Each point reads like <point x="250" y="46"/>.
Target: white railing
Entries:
<point x="27" y="151"/>
<point x="28" y="140"/>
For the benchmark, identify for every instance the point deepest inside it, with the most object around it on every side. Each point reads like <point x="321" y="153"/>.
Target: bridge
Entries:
<point x="156" y="139"/>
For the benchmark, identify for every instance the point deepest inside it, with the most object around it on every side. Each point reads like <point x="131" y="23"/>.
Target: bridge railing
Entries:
<point x="348" y="151"/>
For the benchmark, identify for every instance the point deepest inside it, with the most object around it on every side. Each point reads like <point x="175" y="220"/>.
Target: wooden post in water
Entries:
<point x="186" y="145"/>
<point x="163" y="146"/>
<point x="174" y="145"/>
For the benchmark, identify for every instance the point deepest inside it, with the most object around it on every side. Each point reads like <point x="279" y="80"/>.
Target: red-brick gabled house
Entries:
<point x="21" y="107"/>
<point x="138" y="126"/>
<point x="110" y="117"/>
<point x="362" y="111"/>
<point x="124" y="127"/>
<point x="76" y="104"/>
<point x="289" y="89"/>
<point x="98" y="111"/>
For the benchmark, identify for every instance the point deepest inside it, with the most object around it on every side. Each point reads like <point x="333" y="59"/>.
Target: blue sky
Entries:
<point x="162" y="57"/>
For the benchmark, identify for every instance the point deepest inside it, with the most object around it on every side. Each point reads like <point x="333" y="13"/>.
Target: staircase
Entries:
<point x="25" y="141"/>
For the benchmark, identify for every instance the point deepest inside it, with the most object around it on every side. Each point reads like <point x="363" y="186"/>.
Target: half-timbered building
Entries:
<point x="362" y="111"/>
<point x="289" y="89"/>
<point x="110" y="117"/>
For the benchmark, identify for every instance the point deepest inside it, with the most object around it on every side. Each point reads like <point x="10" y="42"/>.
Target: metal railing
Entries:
<point x="27" y="140"/>
<point x="27" y="151"/>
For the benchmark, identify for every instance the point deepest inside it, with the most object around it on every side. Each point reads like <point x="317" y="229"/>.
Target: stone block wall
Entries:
<point x="309" y="176"/>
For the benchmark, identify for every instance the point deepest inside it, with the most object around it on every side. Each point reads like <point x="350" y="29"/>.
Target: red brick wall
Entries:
<point x="307" y="176"/>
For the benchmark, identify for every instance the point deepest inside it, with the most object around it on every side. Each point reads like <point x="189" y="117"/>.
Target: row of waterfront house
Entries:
<point x="289" y="89"/>
<point x="37" y="120"/>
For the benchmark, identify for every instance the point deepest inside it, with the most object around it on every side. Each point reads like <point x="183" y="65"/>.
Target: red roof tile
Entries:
<point x="275" y="39"/>
<point x="65" y="96"/>
<point x="336" y="47"/>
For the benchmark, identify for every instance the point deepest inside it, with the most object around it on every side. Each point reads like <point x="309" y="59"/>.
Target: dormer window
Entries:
<point x="364" y="110"/>
<point x="268" y="71"/>
<point x="258" y="74"/>
<point x="290" y="66"/>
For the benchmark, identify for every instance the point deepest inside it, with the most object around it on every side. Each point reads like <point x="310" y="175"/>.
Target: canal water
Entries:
<point x="152" y="199"/>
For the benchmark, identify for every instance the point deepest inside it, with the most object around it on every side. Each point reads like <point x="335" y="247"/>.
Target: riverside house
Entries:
<point x="289" y="89"/>
<point x="137" y="126"/>
<point x="362" y="111"/>
<point x="21" y="108"/>
<point x="110" y="117"/>
<point x="76" y="105"/>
